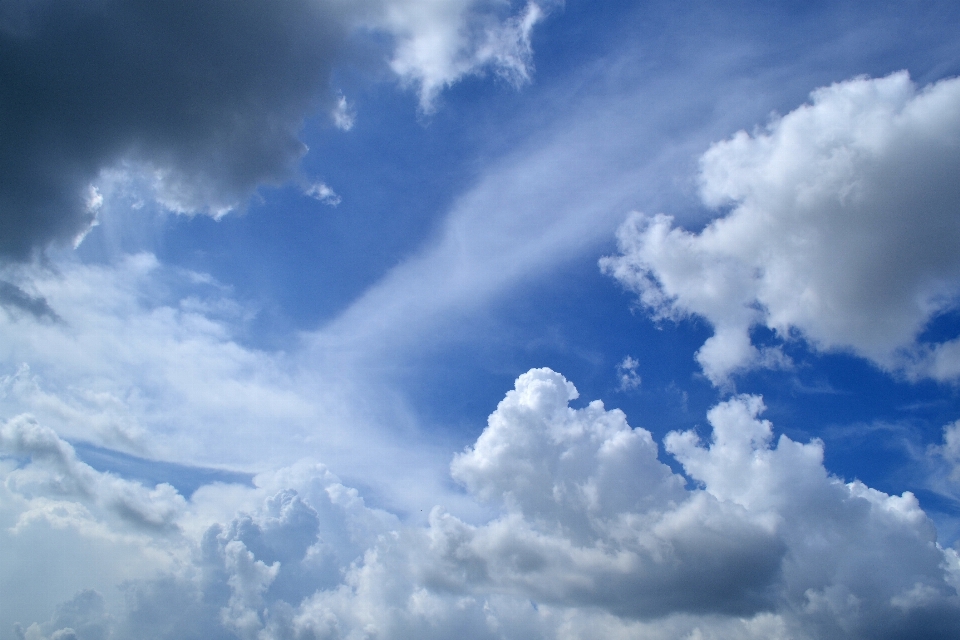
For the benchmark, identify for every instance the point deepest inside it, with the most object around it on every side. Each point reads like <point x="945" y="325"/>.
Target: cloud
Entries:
<point x="627" y="372"/>
<point x="15" y="299"/>
<point x="82" y="618"/>
<point x="944" y="463"/>
<point x="594" y="536"/>
<point x="556" y="197"/>
<point x="838" y="226"/>
<point x="436" y="45"/>
<point x="205" y="100"/>
<point x="834" y="533"/>
<point x="152" y="361"/>
<point x="55" y="469"/>
<point x="951" y="448"/>
<point x="106" y="373"/>
<point x="320" y="191"/>
<point x="343" y="114"/>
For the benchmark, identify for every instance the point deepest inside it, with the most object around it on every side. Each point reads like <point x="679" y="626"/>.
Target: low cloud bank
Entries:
<point x="839" y="226"/>
<point x="594" y="537"/>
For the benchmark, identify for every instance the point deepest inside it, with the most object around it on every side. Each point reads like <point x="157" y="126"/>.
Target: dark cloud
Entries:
<point x="13" y="298"/>
<point x="208" y="95"/>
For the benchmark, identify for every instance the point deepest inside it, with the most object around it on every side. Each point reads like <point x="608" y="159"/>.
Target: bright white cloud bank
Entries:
<point x="595" y="538"/>
<point x="842" y="228"/>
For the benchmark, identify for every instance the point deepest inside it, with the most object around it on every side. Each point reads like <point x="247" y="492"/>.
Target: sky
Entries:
<point x="387" y="319"/>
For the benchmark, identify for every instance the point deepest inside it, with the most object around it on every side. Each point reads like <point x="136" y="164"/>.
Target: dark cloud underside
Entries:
<point x="13" y="298"/>
<point x="210" y="94"/>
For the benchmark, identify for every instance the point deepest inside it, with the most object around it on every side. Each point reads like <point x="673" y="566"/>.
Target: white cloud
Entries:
<point x="148" y="360"/>
<point x="122" y="371"/>
<point x="627" y="372"/>
<point x="320" y="191"/>
<point x="595" y="538"/>
<point x="549" y="461"/>
<point x="440" y="41"/>
<point x="343" y="114"/>
<point x="841" y="229"/>
<point x="56" y="470"/>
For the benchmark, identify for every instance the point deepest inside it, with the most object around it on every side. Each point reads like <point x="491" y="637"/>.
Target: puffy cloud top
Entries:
<point x="841" y="227"/>
<point x="595" y="537"/>
<point x="551" y="462"/>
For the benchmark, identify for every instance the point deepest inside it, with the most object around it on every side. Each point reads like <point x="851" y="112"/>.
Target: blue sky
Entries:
<point x="295" y="299"/>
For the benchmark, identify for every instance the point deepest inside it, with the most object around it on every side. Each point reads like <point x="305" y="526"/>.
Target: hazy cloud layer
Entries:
<point x="842" y="228"/>
<point x="595" y="537"/>
<point x="204" y="99"/>
<point x="150" y="360"/>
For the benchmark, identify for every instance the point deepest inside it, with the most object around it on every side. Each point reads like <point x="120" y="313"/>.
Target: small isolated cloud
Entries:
<point x="840" y="227"/>
<point x="320" y="191"/>
<point x="343" y="114"/>
<point x="627" y="374"/>
<point x="593" y="536"/>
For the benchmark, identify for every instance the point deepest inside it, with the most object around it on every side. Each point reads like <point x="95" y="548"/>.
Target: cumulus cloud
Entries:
<point x="203" y="99"/>
<point x="55" y="470"/>
<point x="436" y="45"/>
<point x="594" y="537"/>
<point x="627" y="373"/>
<point x="320" y="191"/>
<point x="839" y="226"/>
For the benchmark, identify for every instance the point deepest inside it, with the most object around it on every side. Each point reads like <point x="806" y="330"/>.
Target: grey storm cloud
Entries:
<point x="202" y="99"/>
<point x="209" y="95"/>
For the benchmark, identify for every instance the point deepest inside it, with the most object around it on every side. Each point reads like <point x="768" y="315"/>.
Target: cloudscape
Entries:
<point x="388" y="319"/>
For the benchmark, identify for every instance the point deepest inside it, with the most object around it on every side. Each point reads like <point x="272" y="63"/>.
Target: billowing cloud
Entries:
<point x="204" y="99"/>
<point x="594" y="537"/>
<point x="839" y="226"/>
<point x="437" y="44"/>
<point x="55" y="469"/>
